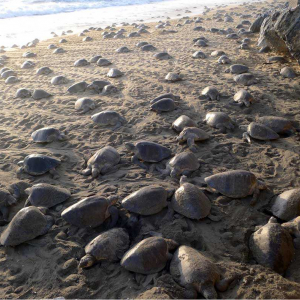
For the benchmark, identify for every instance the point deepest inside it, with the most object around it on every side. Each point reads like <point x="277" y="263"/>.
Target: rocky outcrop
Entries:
<point x="281" y="31"/>
<point x="255" y="26"/>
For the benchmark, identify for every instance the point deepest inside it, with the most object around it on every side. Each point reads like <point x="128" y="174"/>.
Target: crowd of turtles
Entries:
<point x="272" y="245"/>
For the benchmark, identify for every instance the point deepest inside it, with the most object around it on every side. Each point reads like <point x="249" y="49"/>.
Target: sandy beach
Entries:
<point x="47" y="266"/>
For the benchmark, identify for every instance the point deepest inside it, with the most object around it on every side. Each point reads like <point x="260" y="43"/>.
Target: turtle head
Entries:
<point x="130" y="147"/>
<point x="180" y="138"/>
<point x="175" y="173"/>
<point x="113" y="200"/>
<point x="20" y="163"/>
<point x="172" y="245"/>
<point x="86" y="261"/>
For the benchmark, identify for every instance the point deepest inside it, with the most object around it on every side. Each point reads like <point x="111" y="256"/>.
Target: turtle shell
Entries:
<point x="106" y="155"/>
<point x="183" y="121"/>
<point x="165" y="105"/>
<point x="152" y="152"/>
<point x="38" y="164"/>
<point x="45" y="135"/>
<point x="261" y="132"/>
<point x="277" y="124"/>
<point x="185" y="161"/>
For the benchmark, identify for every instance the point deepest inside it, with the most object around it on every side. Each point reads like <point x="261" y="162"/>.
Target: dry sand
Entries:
<point x="46" y="267"/>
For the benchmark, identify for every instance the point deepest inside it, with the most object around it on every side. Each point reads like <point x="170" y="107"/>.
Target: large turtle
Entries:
<point x="165" y="96"/>
<point x="162" y="56"/>
<point x="26" y="225"/>
<point x="23" y="93"/>
<point x="85" y="104"/>
<point x="108" y="246"/>
<point x="192" y="135"/>
<point x="245" y="79"/>
<point x="181" y="164"/>
<point x="108" y="118"/>
<point x="40" y="94"/>
<point x="92" y="212"/>
<point x="183" y="121"/>
<point x="277" y="124"/>
<point x="11" y="80"/>
<point x="287" y="205"/>
<point x="44" y="71"/>
<point x="77" y="87"/>
<point x="46" y="195"/>
<point x="211" y="93"/>
<point x="102" y="161"/>
<point x="148" y="152"/>
<point x="123" y="49"/>
<point x="47" y="135"/>
<point x="6" y="200"/>
<point x="163" y="105"/>
<point x="272" y="246"/>
<point x="39" y="164"/>
<point x="293" y="227"/>
<point x="260" y="132"/>
<point x="243" y="97"/>
<point x="149" y="256"/>
<point x="237" y="69"/>
<point x="236" y="184"/>
<point x="194" y="271"/>
<point x="81" y="63"/>
<point x="60" y="79"/>
<point x="114" y="73"/>
<point x="147" y="201"/>
<point x="103" y="62"/>
<point x="219" y="120"/>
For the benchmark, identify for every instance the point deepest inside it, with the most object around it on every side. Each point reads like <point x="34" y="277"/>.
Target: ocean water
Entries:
<point x="21" y="21"/>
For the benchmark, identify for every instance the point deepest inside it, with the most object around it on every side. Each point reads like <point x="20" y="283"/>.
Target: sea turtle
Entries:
<point x="6" y="200"/>
<point x="133" y="34"/>
<point x="85" y="104"/>
<point x="27" y="224"/>
<point x="232" y="36"/>
<point x="81" y="63"/>
<point x="92" y="212"/>
<point x="194" y="271"/>
<point x="245" y="79"/>
<point x="219" y="120"/>
<point x="39" y="164"/>
<point x="200" y="43"/>
<point x="8" y="73"/>
<point x="77" y="87"/>
<point x="114" y="73"/>
<point x="217" y="53"/>
<point x="288" y="72"/>
<point x="163" y="105"/>
<point x="23" y="93"/>
<point x="52" y="46"/>
<point x="224" y="60"/>
<point x="287" y="205"/>
<point x="182" y="122"/>
<point x="102" y="161"/>
<point x="293" y="227"/>
<point x="260" y="132"/>
<point x="162" y="56"/>
<point x="148" y="47"/>
<point x="108" y="246"/>
<point x="57" y="80"/>
<point x="243" y="97"/>
<point x="44" y="71"/>
<point x="29" y="54"/>
<point x="173" y="77"/>
<point x="274" y="59"/>
<point x="164" y="96"/>
<point x="272" y="246"/>
<point x="123" y="50"/>
<point x="47" y="135"/>
<point x="46" y="195"/>
<point x="147" y="201"/>
<point x="109" y="89"/>
<point x="59" y="51"/>
<point x="108" y="118"/>
<point x="62" y="41"/>
<point x="237" y="69"/>
<point x="148" y="256"/>
<point x="11" y="80"/>
<point x="40" y="94"/>
<point x="181" y="164"/>
<point x="98" y="85"/>
<point x="244" y="46"/>
<point x="4" y="69"/>
<point x="148" y="152"/>
<point x="17" y="189"/>
<point x="141" y="44"/>
<point x="103" y="62"/>
<point x="87" y="39"/>
<point x="236" y="184"/>
<point x="199" y="54"/>
<point x="189" y="201"/>
<point x="277" y="124"/>
<point x="192" y="135"/>
<point x="211" y="93"/>
<point x="95" y="58"/>
<point x="28" y="65"/>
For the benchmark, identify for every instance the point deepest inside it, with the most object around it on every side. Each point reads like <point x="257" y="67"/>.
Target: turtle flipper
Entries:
<point x="114" y="213"/>
<point x="246" y="137"/>
<point x="165" y="171"/>
<point x="207" y="289"/>
<point x="118" y="125"/>
<point x="86" y="172"/>
<point x="95" y="172"/>
<point x="136" y="161"/>
<point x="87" y="261"/>
<point x="191" y="143"/>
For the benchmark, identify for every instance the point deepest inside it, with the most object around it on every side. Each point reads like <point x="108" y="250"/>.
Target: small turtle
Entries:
<point x="164" y="96"/>
<point x="39" y="164"/>
<point x="287" y="205"/>
<point x="224" y="60"/>
<point x="109" y="89"/>
<point x="52" y="46"/>
<point x="114" y="73"/>
<point x="47" y="135"/>
<point x="141" y="44"/>
<point x="217" y="53"/>
<point x="81" y="63"/>
<point x="182" y="122"/>
<point x="57" y="80"/>
<point x="108" y="246"/>
<point x="8" y="73"/>
<point x="194" y="271"/>
<point x="27" y="224"/>
<point x="4" y="69"/>
<point x="11" y="80"/>
<point x="277" y="124"/>
<point x="62" y="41"/>
<point x="259" y="132"/>
<point x="77" y="87"/>
<point x="46" y="195"/>
<point x="148" y="152"/>
<point x="94" y="59"/>
<point x="17" y="189"/>
<point x="147" y="201"/>
<point x="200" y="43"/>
<point x="108" y="118"/>
<point x="133" y="34"/>
<point x="59" y="51"/>
<point x="192" y="135"/>
<point x="102" y="161"/>
<point x="85" y="104"/>
<point x="23" y="93"/>
<point x="288" y="72"/>
<point x="199" y="54"/>
<point x="40" y="94"/>
<point x="6" y="200"/>
<point x="44" y="71"/>
<point x="87" y="39"/>
<point x="190" y="201"/>
<point x="102" y="62"/>
<point x="245" y="79"/>
<point x="163" y="105"/>
<point x="148" y="256"/>
<point x="148" y="47"/>
<point x="272" y="246"/>
<point x="219" y="120"/>
<point x="236" y="184"/>
<point x="181" y="164"/>
<point x="123" y="50"/>
<point x="29" y="54"/>
<point x="243" y="97"/>
<point x="28" y="65"/>
<point x="162" y="56"/>
<point x="232" y="36"/>
<point x="237" y="69"/>
<point x="173" y="77"/>
<point x="92" y="212"/>
<point x="211" y="93"/>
